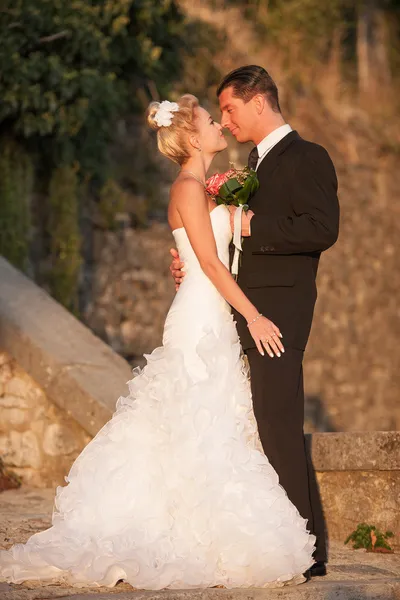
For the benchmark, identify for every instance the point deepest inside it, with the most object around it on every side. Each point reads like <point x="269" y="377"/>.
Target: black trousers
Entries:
<point x="278" y="400"/>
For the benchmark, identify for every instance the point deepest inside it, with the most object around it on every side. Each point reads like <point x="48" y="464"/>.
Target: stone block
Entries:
<point x="12" y="418"/>
<point x="8" y="479"/>
<point x="4" y="358"/>
<point x="359" y="479"/>
<point x="10" y="401"/>
<point x="23" y="386"/>
<point x="30" y="477"/>
<point x="5" y="374"/>
<point x="56" y="433"/>
<point x="355" y="451"/>
<point x="75" y="369"/>
<point x="59" y="440"/>
<point x="353" y="497"/>
<point x="20" y="449"/>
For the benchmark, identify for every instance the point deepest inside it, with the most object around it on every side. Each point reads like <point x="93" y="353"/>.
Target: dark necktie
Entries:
<point x="253" y="158"/>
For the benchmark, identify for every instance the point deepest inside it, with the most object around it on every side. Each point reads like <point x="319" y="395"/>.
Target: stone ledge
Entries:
<point x="78" y="372"/>
<point x="355" y="451"/>
<point x="344" y="590"/>
<point x="359" y="480"/>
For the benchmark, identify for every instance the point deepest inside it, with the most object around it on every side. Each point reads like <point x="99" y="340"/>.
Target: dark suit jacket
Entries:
<point x="296" y="218"/>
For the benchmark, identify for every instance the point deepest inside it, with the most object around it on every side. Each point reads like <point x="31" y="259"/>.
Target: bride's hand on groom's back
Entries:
<point x="176" y="268"/>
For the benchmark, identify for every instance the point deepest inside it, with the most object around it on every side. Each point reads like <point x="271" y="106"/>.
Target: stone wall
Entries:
<point x="131" y="289"/>
<point x="359" y="480"/>
<point x="58" y="382"/>
<point x="38" y="441"/>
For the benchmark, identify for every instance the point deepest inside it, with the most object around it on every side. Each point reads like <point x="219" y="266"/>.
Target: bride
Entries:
<point x="174" y="491"/>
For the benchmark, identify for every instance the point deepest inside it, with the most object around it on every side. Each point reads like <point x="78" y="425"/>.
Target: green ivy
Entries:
<point x="65" y="238"/>
<point x="112" y="200"/>
<point x="15" y="189"/>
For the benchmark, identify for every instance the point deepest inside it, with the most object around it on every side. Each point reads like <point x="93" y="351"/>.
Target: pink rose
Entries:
<point x="214" y="182"/>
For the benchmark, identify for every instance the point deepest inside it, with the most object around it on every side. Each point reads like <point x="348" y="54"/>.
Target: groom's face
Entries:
<point x="237" y="116"/>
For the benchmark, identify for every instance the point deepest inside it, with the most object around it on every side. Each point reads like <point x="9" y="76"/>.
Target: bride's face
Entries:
<point x="210" y="136"/>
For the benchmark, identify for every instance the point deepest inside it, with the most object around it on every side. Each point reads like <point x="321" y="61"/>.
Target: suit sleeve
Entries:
<point x="314" y="224"/>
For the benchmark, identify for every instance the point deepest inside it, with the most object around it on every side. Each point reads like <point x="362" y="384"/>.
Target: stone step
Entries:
<point x="375" y="589"/>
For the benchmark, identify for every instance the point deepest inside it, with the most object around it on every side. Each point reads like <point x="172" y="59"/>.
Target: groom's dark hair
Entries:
<point x="249" y="81"/>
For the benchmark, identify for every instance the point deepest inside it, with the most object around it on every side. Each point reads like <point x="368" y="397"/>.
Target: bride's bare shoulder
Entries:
<point x="185" y="185"/>
<point x="183" y="193"/>
<point x="186" y="190"/>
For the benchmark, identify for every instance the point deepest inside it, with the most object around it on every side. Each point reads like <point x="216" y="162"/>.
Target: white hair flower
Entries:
<point x="164" y="114"/>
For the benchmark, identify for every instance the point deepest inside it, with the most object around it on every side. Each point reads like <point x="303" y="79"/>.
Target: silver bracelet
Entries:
<point x="254" y="320"/>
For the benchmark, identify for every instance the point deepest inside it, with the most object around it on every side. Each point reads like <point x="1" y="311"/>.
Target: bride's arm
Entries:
<point x="192" y="205"/>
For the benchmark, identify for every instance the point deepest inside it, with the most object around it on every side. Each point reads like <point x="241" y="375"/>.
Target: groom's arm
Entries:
<point x="314" y="226"/>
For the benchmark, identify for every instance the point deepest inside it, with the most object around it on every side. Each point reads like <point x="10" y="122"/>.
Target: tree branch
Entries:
<point x="55" y="36"/>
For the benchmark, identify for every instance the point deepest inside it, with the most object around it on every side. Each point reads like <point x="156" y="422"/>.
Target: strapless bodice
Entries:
<point x="220" y="222"/>
<point x="198" y="306"/>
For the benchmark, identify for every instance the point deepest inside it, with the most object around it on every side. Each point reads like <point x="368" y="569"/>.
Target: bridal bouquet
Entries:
<point x="234" y="188"/>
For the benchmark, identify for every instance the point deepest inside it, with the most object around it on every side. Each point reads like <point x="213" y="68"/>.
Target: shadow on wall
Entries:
<point x="316" y="417"/>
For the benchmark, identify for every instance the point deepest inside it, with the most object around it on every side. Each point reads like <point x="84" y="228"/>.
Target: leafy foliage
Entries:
<point x="65" y="239"/>
<point x="112" y="200"/>
<point x="68" y="68"/>
<point x="15" y="188"/>
<point x="369" y="537"/>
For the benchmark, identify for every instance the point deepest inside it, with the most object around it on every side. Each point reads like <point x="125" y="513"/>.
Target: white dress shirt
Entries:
<point x="271" y="140"/>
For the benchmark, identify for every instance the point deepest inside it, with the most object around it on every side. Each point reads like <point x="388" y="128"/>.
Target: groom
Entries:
<point x="294" y="216"/>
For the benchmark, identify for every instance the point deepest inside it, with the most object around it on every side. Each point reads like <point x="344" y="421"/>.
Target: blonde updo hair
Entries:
<point x="172" y="140"/>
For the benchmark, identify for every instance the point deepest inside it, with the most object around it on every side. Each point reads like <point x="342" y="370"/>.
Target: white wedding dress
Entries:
<point x="174" y="491"/>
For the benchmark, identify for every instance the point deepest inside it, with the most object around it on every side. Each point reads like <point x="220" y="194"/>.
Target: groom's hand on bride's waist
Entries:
<point x="176" y="268"/>
<point x="246" y="218"/>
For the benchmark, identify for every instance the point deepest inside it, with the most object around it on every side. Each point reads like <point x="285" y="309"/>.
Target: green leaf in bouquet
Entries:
<point x="229" y="199"/>
<point x="248" y="190"/>
<point x="242" y="197"/>
<point x="252" y="184"/>
<point x="229" y="188"/>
